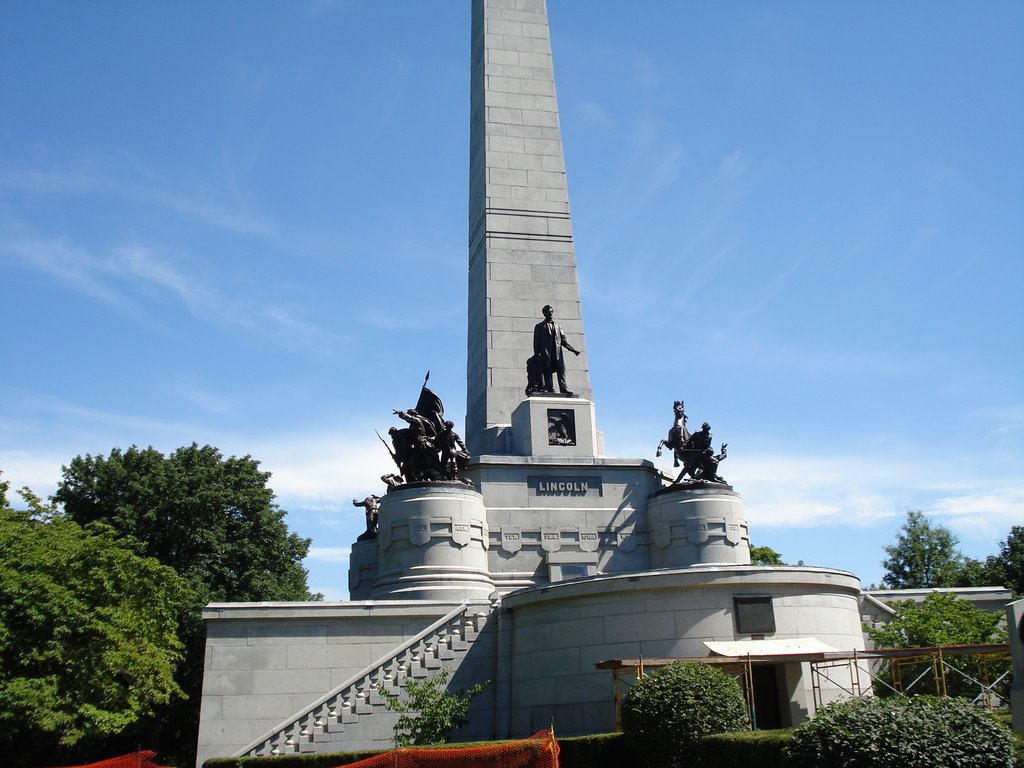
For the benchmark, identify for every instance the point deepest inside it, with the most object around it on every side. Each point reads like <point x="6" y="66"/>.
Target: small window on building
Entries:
<point x="574" y="570"/>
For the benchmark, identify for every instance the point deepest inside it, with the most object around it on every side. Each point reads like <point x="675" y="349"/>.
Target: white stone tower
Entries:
<point x="521" y="254"/>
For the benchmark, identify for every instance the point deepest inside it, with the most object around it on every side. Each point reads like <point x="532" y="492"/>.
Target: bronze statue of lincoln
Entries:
<point x="548" y="340"/>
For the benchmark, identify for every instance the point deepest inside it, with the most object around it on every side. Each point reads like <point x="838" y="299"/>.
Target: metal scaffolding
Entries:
<point x="847" y="671"/>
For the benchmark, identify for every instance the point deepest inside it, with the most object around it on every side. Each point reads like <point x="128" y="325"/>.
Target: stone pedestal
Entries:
<point x="555" y="426"/>
<point x="432" y="544"/>
<point x="362" y="569"/>
<point x="1015" y="625"/>
<point x="699" y="524"/>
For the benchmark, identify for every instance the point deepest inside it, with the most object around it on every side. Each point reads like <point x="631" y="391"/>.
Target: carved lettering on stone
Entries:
<point x="460" y="534"/>
<point x="550" y="539"/>
<point x="732" y="533"/>
<point x="546" y="485"/>
<point x="697" y="531"/>
<point x="627" y="541"/>
<point x="588" y="541"/>
<point x="419" y="531"/>
<point x="511" y="540"/>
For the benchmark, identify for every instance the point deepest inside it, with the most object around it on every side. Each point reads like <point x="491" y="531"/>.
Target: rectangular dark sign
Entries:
<point x="565" y="486"/>
<point x="755" y="614"/>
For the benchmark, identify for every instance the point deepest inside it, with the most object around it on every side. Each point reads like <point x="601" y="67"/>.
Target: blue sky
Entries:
<point x="245" y="224"/>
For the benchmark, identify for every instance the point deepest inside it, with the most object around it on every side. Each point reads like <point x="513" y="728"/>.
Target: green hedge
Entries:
<point x="604" y="750"/>
<point x="743" y="749"/>
<point x="740" y="749"/>
<point x="898" y="732"/>
<point x="325" y="760"/>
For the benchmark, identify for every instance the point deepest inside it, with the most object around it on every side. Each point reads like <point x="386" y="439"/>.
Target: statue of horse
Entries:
<point x="677" y="435"/>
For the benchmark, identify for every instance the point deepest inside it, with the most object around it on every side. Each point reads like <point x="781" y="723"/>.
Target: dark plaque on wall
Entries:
<point x="754" y="614"/>
<point x="561" y="426"/>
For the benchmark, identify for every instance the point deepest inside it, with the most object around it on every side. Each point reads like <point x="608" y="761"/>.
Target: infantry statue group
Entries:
<point x="430" y="450"/>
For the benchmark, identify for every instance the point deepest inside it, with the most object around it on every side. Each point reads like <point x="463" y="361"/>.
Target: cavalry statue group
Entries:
<point x="692" y="450"/>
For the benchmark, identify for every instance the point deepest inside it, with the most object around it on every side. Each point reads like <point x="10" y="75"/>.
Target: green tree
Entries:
<point x="213" y="520"/>
<point x="977" y="573"/>
<point x="88" y="641"/>
<point x="923" y="555"/>
<point x="429" y="712"/>
<point x="943" y="619"/>
<point x="765" y="556"/>
<point x="1007" y="567"/>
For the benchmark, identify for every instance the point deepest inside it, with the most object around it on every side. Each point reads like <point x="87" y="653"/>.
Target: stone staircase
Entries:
<point x="337" y="720"/>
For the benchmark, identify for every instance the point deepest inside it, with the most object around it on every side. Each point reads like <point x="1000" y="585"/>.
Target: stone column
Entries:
<point x="1015" y="626"/>
<point x="697" y="526"/>
<point x="521" y="254"/>
<point x="432" y="544"/>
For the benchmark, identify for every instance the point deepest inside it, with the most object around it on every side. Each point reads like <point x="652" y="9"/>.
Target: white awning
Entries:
<point x="795" y="647"/>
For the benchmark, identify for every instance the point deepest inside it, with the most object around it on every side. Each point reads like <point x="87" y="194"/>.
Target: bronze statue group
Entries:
<point x="692" y="450"/>
<point x="430" y="450"/>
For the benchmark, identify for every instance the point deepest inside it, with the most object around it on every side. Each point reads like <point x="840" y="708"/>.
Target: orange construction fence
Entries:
<point x="538" y="751"/>
<point x="134" y="760"/>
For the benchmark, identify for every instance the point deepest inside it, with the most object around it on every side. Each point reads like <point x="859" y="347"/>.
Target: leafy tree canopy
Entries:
<point x="213" y="520"/>
<point x="923" y="555"/>
<point x="765" y="556"/>
<point x="88" y="641"/>
<point x="941" y="619"/>
<point x="1008" y="566"/>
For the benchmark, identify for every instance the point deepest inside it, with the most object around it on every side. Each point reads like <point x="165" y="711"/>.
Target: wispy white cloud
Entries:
<point x="732" y="166"/>
<point x="1004" y="420"/>
<point x="323" y="469"/>
<point x="329" y="554"/>
<point x="802" y="491"/>
<point x="139" y="187"/>
<point x="45" y="408"/>
<point x="59" y="259"/>
<point x="594" y="112"/>
<point x="116" y="276"/>
<point x="982" y="514"/>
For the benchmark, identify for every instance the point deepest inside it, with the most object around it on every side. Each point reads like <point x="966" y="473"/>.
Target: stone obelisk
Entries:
<point x="521" y="254"/>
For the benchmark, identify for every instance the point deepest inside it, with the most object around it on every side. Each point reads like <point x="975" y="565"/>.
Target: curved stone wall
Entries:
<point x="432" y="544"/>
<point x="561" y="631"/>
<point x="692" y="526"/>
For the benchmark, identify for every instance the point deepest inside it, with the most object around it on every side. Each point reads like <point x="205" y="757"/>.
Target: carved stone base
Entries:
<point x="432" y="543"/>
<point x="554" y="425"/>
<point x="697" y="523"/>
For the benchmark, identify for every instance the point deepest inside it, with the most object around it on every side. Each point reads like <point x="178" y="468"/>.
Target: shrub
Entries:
<point x="765" y="749"/>
<point x="603" y="750"/>
<point x="430" y="712"/>
<point x="902" y="732"/>
<point x="666" y="713"/>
